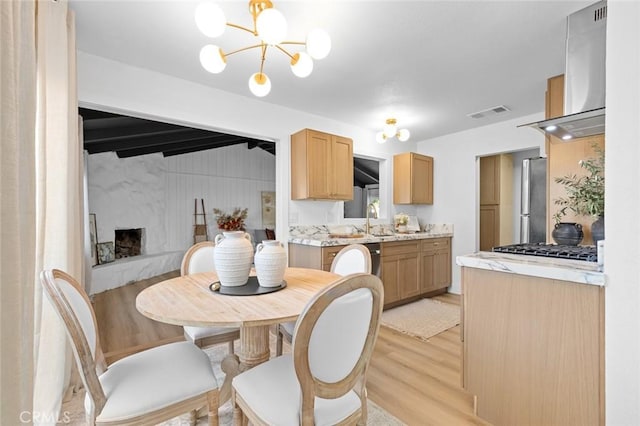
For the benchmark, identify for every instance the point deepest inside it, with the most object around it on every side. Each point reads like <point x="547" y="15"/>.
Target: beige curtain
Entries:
<point x="41" y="223"/>
<point x="17" y="208"/>
<point x="59" y="199"/>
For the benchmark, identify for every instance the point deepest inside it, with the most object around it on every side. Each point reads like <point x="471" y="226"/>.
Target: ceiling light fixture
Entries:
<point x="270" y="27"/>
<point x="390" y="130"/>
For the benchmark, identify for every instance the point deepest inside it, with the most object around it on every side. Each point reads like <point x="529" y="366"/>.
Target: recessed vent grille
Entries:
<point x="600" y="14"/>
<point x="489" y="112"/>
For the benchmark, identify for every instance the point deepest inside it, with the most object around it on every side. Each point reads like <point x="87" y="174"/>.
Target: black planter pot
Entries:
<point x="567" y="233"/>
<point x="597" y="230"/>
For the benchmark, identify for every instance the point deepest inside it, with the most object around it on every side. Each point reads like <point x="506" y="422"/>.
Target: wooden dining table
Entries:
<point x="188" y="300"/>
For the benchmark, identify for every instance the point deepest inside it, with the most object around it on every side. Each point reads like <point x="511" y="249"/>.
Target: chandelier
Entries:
<point x="390" y="130"/>
<point x="270" y="28"/>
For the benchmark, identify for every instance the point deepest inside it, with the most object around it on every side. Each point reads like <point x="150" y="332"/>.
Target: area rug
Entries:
<point x="74" y="410"/>
<point x="422" y="319"/>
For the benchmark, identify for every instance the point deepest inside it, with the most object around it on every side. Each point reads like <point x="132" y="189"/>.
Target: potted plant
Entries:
<point x="585" y="194"/>
<point x="402" y="220"/>
<point x="231" y="222"/>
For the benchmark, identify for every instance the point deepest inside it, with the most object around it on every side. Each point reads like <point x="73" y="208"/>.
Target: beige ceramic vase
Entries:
<point x="270" y="262"/>
<point x="233" y="257"/>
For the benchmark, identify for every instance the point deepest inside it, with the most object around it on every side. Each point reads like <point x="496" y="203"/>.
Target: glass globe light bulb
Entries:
<point x="210" y="19"/>
<point x="259" y="84"/>
<point x="381" y="137"/>
<point x="318" y="44"/>
<point x="390" y="130"/>
<point x="212" y="59"/>
<point x="403" y="135"/>
<point x="301" y="64"/>
<point x="271" y="26"/>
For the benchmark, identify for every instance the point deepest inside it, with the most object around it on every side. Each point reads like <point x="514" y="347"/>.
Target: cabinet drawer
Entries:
<point x="400" y="247"/>
<point x="436" y="244"/>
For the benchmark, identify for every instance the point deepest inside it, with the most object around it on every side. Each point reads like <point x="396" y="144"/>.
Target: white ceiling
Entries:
<point x="427" y="63"/>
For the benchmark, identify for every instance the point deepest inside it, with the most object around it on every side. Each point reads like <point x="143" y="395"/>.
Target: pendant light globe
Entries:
<point x="212" y="59"/>
<point x="318" y="43"/>
<point x="259" y="84"/>
<point x="301" y="64"/>
<point x="381" y="137"/>
<point x="271" y="26"/>
<point x="390" y="129"/>
<point x="210" y="19"/>
<point x="403" y="135"/>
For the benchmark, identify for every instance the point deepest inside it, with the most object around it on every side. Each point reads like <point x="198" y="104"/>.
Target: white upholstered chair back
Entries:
<point x="199" y="258"/>
<point x="352" y="259"/>
<point x="335" y="335"/>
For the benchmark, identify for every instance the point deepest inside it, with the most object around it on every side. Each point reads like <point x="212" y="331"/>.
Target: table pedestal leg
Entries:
<point x="254" y="350"/>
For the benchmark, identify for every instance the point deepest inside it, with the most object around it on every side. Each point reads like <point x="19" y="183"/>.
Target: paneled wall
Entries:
<point x="225" y="178"/>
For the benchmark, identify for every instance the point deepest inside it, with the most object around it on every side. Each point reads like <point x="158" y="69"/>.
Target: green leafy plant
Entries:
<point x="402" y="219"/>
<point x="585" y="194"/>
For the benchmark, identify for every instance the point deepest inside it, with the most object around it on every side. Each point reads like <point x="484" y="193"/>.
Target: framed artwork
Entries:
<point x="268" y="209"/>
<point x="106" y="252"/>
<point x="93" y="237"/>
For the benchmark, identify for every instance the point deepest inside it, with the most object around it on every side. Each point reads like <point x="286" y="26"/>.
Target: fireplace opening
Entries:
<point x="128" y="242"/>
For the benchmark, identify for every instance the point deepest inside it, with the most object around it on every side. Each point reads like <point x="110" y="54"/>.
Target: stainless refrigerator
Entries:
<point x="533" y="207"/>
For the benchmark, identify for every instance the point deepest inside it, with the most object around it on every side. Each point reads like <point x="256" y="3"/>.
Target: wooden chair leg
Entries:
<point x="237" y="412"/>
<point x="193" y="417"/>
<point x="278" y="340"/>
<point x="231" y="347"/>
<point x="213" y="403"/>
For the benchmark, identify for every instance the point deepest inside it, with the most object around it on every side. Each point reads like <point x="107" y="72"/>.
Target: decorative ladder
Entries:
<point x="200" y="232"/>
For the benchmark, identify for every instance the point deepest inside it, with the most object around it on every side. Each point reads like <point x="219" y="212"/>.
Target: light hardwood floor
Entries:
<point x="416" y="381"/>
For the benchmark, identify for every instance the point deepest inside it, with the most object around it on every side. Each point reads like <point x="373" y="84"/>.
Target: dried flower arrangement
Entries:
<point x="231" y="222"/>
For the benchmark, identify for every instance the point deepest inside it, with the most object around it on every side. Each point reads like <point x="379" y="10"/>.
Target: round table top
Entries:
<point x="187" y="300"/>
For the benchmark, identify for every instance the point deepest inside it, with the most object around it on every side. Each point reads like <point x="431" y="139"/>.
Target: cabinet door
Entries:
<point x="490" y="180"/>
<point x="422" y="180"/>
<point x="489" y="227"/>
<point x="442" y="269"/>
<point x="428" y="276"/>
<point x="318" y="163"/>
<point x="408" y="275"/>
<point x="342" y="168"/>
<point x="389" y="266"/>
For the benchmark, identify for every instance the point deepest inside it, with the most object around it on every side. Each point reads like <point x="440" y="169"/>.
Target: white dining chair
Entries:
<point x="199" y="258"/>
<point x="147" y="387"/>
<point x="351" y="259"/>
<point x="323" y="381"/>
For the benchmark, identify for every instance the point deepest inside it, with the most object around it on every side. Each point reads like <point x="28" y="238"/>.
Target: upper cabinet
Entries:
<point x="412" y="179"/>
<point x="321" y="166"/>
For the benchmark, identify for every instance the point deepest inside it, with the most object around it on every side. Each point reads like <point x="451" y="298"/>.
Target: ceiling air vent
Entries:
<point x="489" y="112"/>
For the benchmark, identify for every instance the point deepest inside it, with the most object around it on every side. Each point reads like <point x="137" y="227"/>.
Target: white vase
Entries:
<point x="270" y="262"/>
<point x="233" y="257"/>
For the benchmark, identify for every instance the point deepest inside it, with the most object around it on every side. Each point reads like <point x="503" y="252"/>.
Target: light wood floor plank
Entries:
<point x="417" y="381"/>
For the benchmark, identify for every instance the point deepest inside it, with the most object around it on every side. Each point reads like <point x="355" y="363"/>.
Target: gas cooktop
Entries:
<point x="586" y="253"/>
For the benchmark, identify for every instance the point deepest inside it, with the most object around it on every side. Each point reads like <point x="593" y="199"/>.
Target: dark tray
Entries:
<point x="251" y="288"/>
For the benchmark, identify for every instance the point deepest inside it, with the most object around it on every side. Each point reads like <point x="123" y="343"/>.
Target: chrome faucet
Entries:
<point x="367" y="226"/>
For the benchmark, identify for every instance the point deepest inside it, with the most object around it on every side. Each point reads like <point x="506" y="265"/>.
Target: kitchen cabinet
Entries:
<point x="563" y="158"/>
<point x="533" y="348"/>
<point x="435" y="264"/>
<point x="314" y="257"/>
<point x="400" y="266"/>
<point x="321" y="166"/>
<point x="496" y="201"/>
<point x="412" y="179"/>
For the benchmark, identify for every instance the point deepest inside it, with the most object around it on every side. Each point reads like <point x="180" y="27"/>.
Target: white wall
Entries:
<point x="456" y="184"/>
<point x="622" y="205"/>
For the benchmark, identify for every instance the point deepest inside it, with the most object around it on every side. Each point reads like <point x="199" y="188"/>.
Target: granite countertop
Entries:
<point x="577" y="271"/>
<point x="320" y="237"/>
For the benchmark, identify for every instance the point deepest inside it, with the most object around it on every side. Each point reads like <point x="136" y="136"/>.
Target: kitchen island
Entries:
<point x="533" y="338"/>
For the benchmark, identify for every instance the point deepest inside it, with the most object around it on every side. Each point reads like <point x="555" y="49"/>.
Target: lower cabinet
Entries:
<point x="409" y="269"/>
<point x="400" y="265"/>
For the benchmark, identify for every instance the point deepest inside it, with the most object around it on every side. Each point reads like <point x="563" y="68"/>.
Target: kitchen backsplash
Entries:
<point x="380" y="229"/>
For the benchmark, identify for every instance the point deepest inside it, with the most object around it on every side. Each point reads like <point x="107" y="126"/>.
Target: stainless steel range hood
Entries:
<point x="584" y="91"/>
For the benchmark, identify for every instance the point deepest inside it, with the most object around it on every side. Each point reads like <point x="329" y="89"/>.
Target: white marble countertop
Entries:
<point x="320" y="236"/>
<point x="544" y="267"/>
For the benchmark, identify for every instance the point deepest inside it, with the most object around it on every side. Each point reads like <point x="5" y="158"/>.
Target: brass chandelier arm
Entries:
<point x="264" y="56"/>
<point x="284" y="51"/>
<point x="243" y="49"/>
<point x="240" y="27"/>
